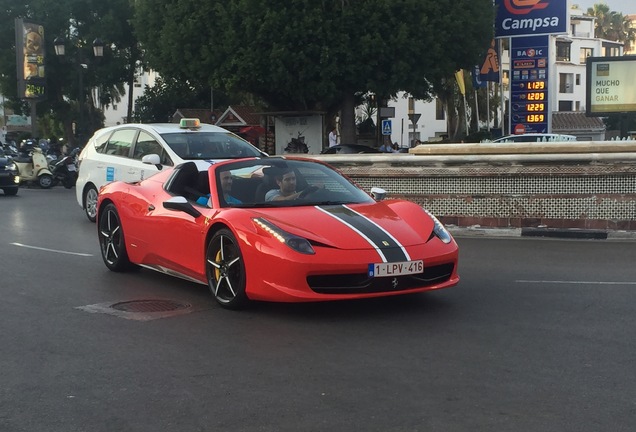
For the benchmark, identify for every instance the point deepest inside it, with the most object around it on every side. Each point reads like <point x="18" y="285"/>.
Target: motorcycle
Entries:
<point x="10" y="149"/>
<point x="33" y="166"/>
<point x="64" y="169"/>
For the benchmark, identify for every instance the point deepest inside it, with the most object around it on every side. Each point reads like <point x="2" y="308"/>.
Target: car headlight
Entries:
<point x="298" y="244"/>
<point x="439" y="230"/>
<point x="12" y="167"/>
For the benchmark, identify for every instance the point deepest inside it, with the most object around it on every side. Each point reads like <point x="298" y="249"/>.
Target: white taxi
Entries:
<point x="133" y="152"/>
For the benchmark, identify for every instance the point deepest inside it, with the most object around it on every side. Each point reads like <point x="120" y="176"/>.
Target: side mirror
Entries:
<point x="179" y="203"/>
<point x="378" y="194"/>
<point x="152" y="159"/>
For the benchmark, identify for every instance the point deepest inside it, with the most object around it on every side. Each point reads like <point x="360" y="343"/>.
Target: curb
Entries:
<point x="564" y="233"/>
<point x="555" y="233"/>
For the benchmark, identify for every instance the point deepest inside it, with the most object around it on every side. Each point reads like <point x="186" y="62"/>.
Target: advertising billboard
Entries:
<point x="30" y="58"/>
<point x="531" y="17"/>
<point x="529" y="89"/>
<point x="610" y="85"/>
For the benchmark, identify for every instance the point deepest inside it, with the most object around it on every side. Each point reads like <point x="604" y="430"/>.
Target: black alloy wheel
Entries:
<point x="225" y="270"/>
<point x="111" y="240"/>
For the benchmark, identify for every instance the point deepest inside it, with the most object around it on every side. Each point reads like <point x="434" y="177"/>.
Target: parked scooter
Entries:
<point x="64" y="169"/>
<point x="34" y="167"/>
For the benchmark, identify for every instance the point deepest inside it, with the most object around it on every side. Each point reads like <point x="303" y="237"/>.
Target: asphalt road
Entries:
<point x="538" y="336"/>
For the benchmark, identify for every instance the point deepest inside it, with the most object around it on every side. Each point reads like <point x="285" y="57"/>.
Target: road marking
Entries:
<point x="575" y="282"/>
<point x="52" y="250"/>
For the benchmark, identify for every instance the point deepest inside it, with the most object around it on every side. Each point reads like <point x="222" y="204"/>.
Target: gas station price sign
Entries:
<point x="529" y="92"/>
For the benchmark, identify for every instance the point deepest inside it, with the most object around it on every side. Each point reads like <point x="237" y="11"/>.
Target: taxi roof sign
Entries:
<point x="189" y="123"/>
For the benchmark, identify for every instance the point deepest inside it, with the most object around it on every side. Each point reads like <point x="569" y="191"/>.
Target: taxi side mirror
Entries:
<point x="152" y="159"/>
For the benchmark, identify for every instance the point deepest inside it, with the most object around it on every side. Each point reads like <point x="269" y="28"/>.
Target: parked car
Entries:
<point x="121" y="153"/>
<point x="9" y="177"/>
<point x="535" y="137"/>
<point x="349" y="149"/>
<point x="328" y="241"/>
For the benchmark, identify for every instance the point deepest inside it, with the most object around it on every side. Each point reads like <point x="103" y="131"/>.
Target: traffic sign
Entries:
<point x="386" y="127"/>
<point x="520" y="129"/>
<point x="414" y="118"/>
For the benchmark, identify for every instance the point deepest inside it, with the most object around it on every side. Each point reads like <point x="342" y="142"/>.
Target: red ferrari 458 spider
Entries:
<point x="274" y="229"/>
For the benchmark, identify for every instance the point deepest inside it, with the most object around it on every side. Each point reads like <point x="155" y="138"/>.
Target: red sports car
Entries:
<point x="274" y="229"/>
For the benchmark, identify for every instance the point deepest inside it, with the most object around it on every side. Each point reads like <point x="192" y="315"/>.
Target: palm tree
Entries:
<point x="601" y="11"/>
<point x="612" y="25"/>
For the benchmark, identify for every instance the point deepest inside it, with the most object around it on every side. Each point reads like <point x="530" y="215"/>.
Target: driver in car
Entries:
<point x="286" y="181"/>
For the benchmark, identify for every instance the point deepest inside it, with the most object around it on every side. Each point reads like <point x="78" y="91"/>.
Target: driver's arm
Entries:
<point x="288" y="197"/>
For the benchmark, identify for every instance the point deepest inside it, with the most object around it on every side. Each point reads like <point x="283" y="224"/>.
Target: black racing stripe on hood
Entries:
<point x="377" y="236"/>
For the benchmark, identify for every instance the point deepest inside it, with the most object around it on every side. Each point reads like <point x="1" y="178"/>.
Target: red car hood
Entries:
<point x="355" y="226"/>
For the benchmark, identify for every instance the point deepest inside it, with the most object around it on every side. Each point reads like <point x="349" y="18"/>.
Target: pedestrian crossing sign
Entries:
<point x="386" y="127"/>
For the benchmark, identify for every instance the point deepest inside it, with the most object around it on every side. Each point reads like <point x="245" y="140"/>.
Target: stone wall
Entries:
<point x="554" y="185"/>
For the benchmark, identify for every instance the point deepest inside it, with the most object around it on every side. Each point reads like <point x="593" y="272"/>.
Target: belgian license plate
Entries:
<point x="396" y="268"/>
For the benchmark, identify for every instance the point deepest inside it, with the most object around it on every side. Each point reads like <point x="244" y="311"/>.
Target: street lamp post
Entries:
<point x="98" y="51"/>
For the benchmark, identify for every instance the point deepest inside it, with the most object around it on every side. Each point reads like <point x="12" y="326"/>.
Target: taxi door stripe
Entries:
<point x="389" y="249"/>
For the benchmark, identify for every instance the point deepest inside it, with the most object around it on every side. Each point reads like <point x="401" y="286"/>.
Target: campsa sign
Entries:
<point x="530" y="17"/>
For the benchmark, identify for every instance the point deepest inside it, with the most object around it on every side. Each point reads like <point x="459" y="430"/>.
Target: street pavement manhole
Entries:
<point x="146" y="306"/>
<point x="141" y="310"/>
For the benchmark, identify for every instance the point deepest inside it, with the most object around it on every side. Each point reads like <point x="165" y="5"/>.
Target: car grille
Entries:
<point x="361" y="283"/>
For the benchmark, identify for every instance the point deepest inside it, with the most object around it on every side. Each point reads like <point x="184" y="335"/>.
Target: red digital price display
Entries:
<point x="535" y="118"/>
<point x="536" y="85"/>
<point x="530" y="100"/>
<point x="534" y="107"/>
<point x="535" y="96"/>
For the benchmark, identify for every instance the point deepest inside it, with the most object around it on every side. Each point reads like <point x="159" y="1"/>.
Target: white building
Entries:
<point x="429" y="125"/>
<point x="116" y="113"/>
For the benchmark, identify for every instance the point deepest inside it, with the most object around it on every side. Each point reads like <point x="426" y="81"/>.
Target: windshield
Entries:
<point x="276" y="182"/>
<point x="209" y="145"/>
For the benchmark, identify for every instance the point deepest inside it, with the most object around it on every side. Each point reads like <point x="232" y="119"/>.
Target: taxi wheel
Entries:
<point x="111" y="240"/>
<point x="225" y="270"/>
<point x="90" y="203"/>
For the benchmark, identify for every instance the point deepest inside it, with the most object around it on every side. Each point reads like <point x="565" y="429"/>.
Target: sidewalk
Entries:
<point x="560" y="233"/>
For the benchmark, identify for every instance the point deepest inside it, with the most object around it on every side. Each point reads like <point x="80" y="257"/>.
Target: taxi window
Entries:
<point x="146" y="144"/>
<point x="100" y="143"/>
<point x="120" y="142"/>
<point x="209" y="145"/>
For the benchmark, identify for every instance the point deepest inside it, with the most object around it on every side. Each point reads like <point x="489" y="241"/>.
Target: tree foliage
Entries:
<point x="159" y="102"/>
<point x="612" y="25"/>
<point x="315" y="55"/>
<point x="79" y="22"/>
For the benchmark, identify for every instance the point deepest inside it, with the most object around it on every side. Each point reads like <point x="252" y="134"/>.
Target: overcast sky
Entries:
<point x="626" y="7"/>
